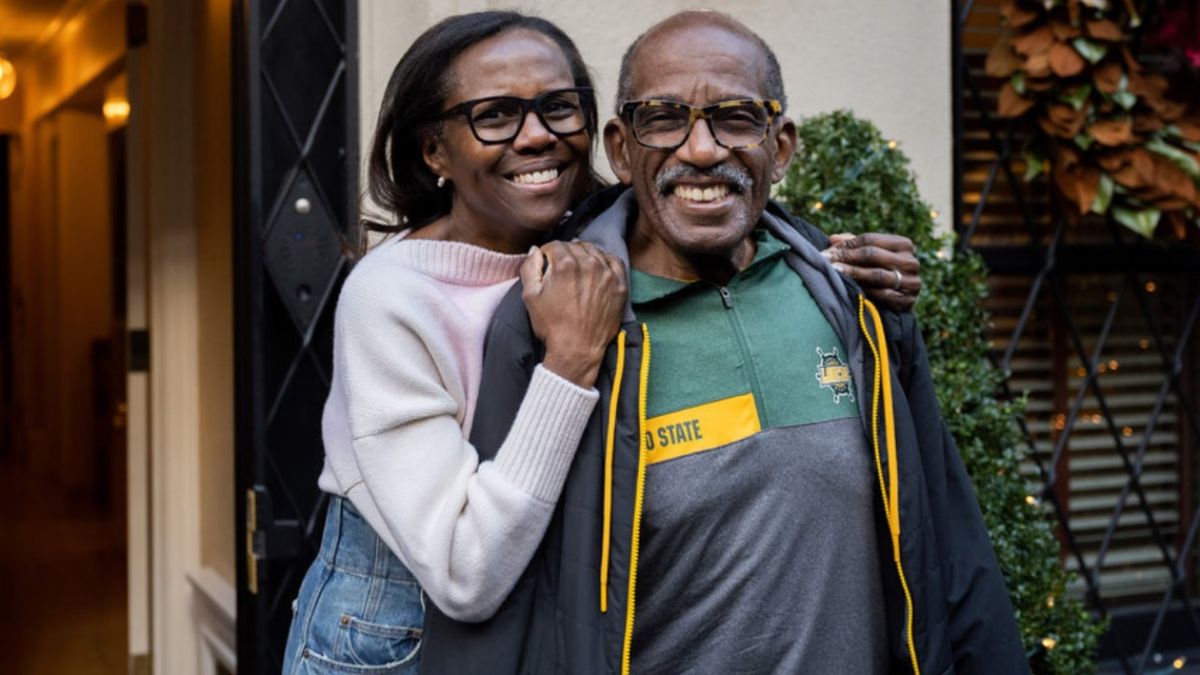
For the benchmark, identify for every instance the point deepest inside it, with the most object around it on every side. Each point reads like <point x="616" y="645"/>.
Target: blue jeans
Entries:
<point x="359" y="609"/>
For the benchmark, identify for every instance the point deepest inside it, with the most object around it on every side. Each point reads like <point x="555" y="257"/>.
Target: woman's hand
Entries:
<point x="883" y="264"/>
<point x="575" y="294"/>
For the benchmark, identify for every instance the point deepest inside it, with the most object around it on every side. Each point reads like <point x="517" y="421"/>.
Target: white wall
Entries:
<point x="888" y="61"/>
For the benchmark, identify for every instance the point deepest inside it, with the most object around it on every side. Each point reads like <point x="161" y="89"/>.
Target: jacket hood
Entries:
<point x="607" y="232"/>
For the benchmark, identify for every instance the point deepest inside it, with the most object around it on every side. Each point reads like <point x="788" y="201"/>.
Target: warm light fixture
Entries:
<point x="8" y="78"/>
<point x="116" y="111"/>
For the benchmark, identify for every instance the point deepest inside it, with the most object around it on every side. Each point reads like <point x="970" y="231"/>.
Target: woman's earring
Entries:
<point x="441" y="181"/>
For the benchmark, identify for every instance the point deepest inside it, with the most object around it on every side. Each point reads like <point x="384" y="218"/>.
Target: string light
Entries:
<point x="1179" y="663"/>
<point x="1050" y="601"/>
<point x="934" y="214"/>
<point x="892" y="145"/>
<point x="1151" y="287"/>
<point x="1113" y="364"/>
<point x="1127" y="432"/>
<point x="1031" y="500"/>
<point x="1144" y="343"/>
<point x="1049" y="643"/>
<point x="817" y="206"/>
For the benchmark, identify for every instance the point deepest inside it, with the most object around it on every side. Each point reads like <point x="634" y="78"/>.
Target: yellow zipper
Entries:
<point x="890" y="492"/>
<point x="643" y="380"/>
<point x="608" y="467"/>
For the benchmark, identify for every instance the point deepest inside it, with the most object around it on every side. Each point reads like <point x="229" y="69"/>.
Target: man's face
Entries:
<point x="699" y="199"/>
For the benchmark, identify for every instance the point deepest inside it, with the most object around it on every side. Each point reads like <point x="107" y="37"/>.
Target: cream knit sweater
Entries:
<point x="408" y="351"/>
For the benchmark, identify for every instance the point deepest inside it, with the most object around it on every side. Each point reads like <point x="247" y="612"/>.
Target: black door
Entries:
<point x="296" y="138"/>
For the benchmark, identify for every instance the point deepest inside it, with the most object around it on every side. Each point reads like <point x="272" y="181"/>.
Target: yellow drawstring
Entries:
<point x="890" y="494"/>
<point x="608" y="468"/>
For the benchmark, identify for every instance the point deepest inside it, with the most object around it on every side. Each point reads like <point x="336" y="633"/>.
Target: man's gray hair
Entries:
<point x="772" y="81"/>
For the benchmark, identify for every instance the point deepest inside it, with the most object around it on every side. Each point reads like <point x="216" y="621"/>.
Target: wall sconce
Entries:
<point x="8" y="78"/>
<point x="116" y="111"/>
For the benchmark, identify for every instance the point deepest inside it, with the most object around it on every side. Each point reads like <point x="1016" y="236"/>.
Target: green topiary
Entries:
<point x="847" y="178"/>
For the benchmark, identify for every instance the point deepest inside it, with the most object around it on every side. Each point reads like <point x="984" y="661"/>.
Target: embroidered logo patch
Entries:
<point x="834" y="374"/>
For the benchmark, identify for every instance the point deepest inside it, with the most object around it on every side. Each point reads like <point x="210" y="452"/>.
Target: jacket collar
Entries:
<point x="604" y="219"/>
<point x="651" y="287"/>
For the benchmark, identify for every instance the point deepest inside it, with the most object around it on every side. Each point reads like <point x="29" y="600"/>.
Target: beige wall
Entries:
<point x="34" y="287"/>
<point x="83" y="270"/>
<point x="62" y="291"/>
<point x="214" y="220"/>
<point x="888" y="61"/>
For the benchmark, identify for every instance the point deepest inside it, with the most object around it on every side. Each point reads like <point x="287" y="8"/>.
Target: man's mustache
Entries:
<point x="739" y="180"/>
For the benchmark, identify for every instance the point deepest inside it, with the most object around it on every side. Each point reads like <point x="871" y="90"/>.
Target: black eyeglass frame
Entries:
<point x="527" y="104"/>
<point x="772" y="106"/>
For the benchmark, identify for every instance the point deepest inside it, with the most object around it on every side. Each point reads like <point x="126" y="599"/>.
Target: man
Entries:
<point x="769" y="486"/>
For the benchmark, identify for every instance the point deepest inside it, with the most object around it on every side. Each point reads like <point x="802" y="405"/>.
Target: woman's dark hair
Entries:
<point x="398" y="178"/>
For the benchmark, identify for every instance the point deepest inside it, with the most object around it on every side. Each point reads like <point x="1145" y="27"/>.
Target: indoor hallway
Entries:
<point x="62" y="581"/>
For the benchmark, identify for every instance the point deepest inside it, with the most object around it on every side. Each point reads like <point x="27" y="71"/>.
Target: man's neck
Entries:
<point x="651" y="255"/>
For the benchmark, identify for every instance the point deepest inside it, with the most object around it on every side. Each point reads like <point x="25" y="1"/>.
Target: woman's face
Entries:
<point x="508" y="194"/>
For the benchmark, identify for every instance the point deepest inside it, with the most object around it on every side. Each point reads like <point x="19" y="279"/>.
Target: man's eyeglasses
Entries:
<point x="498" y="119"/>
<point x="665" y="125"/>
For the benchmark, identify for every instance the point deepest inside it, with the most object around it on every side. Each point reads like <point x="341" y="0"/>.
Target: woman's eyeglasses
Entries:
<point x="499" y="119"/>
<point x="665" y="125"/>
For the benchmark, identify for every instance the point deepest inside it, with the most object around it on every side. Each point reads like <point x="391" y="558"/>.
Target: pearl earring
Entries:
<point x="441" y="181"/>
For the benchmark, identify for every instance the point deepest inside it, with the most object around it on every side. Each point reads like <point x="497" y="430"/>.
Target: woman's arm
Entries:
<point x="467" y="529"/>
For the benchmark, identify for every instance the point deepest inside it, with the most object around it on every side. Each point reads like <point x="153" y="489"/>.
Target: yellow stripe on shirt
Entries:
<point x="699" y="428"/>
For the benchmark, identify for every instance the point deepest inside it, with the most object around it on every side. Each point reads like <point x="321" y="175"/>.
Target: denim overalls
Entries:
<point x="359" y="609"/>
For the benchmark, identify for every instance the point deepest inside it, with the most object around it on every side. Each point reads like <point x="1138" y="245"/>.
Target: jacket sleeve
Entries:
<point x="981" y="625"/>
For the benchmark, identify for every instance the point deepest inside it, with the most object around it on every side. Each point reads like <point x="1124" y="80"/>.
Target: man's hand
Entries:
<point x="883" y="264"/>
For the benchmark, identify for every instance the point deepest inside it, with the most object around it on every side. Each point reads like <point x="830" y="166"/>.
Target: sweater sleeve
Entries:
<point x="465" y="529"/>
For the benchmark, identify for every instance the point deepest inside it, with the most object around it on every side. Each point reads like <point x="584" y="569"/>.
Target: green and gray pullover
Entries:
<point x="754" y="463"/>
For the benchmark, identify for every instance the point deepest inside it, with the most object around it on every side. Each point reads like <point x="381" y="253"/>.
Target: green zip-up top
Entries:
<point x="756" y="462"/>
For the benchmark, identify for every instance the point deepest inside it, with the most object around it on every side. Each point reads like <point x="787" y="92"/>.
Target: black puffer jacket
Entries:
<point x="946" y="603"/>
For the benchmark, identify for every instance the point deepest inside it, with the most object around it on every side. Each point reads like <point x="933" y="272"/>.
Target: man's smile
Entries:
<point x="696" y="193"/>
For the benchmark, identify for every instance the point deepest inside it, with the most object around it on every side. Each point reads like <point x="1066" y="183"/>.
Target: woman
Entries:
<point x="483" y="142"/>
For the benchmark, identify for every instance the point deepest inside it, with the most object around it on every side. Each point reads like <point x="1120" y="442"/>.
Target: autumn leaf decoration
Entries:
<point x="1106" y="128"/>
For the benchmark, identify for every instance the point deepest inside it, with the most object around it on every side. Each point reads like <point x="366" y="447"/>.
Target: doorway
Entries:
<point x="62" y="467"/>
